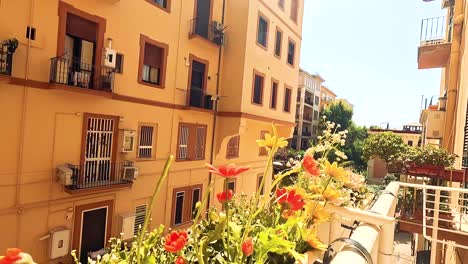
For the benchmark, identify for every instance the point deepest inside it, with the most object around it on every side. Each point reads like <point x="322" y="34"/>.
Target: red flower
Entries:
<point x="12" y="255"/>
<point x="175" y="241"/>
<point x="224" y="196"/>
<point x="247" y="247"/>
<point x="227" y="171"/>
<point x="290" y="200"/>
<point x="180" y="260"/>
<point x="310" y="165"/>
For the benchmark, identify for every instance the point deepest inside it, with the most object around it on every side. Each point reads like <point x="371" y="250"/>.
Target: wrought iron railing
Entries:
<point x="75" y="73"/>
<point x="434" y="31"/>
<point x="211" y="31"/>
<point x="6" y="59"/>
<point x="200" y="99"/>
<point x="100" y="173"/>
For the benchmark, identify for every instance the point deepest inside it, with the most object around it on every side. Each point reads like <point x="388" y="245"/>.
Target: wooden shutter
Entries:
<point x="81" y="28"/>
<point x="140" y="214"/>
<point x="153" y="56"/>
<point x="146" y="148"/>
<point x="287" y="100"/>
<point x="200" y="143"/>
<point x="294" y="11"/>
<point x="233" y="147"/>
<point x="183" y="142"/>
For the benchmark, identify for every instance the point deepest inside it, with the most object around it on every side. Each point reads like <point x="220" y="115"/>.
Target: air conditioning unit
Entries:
<point x="128" y="144"/>
<point x="130" y="173"/>
<point x="110" y="58"/>
<point x="127" y="225"/>
<point x="218" y="26"/>
<point x="64" y="175"/>
<point x="59" y="242"/>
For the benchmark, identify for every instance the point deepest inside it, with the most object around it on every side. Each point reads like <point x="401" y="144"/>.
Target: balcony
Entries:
<point x="6" y="59"/>
<point x="307" y="118"/>
<point x="306" y="133"/>
<point x="435" y="42"/>
<point x="198" y="98"/>
<point x="73" y="72"/>
<point x="99" y="175"/>
<point x="213" y="32"/>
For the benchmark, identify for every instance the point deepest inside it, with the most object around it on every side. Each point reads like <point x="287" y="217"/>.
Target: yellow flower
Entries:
<point x="270" y="141"/>
<point x="331" y="195"/>
<point x="334" y="171"/>
<point x="317" y="211"/>
<point x="314" y="188"/>
<point x="314" y="241"/>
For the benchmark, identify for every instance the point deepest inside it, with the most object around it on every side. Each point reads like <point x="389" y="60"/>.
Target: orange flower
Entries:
<point x="224" y="196"/>
<point x="290" y="200"/>
<point x="228" y="171"/>
<point x="247" y="247"/>
<point x="180" y="260"/>
<point x="175" y="241"/>
<point x="310" y="165"/>
<point x="314" y="241"/>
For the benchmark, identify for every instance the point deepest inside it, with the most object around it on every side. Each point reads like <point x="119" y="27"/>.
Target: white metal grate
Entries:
<point x="200" y="144"/>
<point x="183" y="142"/>
<point x="98" y="150"/>
<point x="145" y="149"/>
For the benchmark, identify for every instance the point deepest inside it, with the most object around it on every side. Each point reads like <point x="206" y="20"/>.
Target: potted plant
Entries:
<point x="429" y="160"/>
<point x="12" y="45"/>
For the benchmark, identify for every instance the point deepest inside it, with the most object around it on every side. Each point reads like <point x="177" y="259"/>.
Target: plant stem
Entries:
<point x="142" y="233"/>
<point x="195" y="221"/>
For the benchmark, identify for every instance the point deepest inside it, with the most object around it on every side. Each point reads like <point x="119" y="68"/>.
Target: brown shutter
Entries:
<point x="153" y="56"/>
<point x="82" y="28"/>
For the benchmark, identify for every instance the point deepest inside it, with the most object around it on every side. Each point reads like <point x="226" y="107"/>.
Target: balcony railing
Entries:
<point x="200" y="99"/>
<point x="94" y="174"/>
<point x="434" y="31"/>
<point x="75" y="73"/>
<point x="306" y="134"/>
<point x="309" y="101"/>
<point x="6" y="59"/>
<point x="213" y="32"/>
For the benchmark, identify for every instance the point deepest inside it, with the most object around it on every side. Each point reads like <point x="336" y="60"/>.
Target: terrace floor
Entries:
<point x="402" y="250"/>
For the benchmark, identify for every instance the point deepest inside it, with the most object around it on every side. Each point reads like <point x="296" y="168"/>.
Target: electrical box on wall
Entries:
<point x="127" y="223"/>
<point x="128" y="140"/>
<point x="59" y="242"/>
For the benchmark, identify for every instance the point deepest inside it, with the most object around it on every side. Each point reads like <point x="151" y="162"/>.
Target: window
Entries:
<point x="262" y="31"/>
<point x="191" y="142"/>
<point x="410" y="142"/>
<point x="147" y="141"/>
<point x="184" y="202"/>
<point x="287" y="100"/>
<point x="281" y="4"/>
<point x="119" y="63"/>
<point x="278" y="40"/>
<point x="233" y="147"/>
<point x="140" y="214"/>
<point x="263" y="151"/>
<point x="259" y="181"/>
<point x="153" y="57"/>
<point x="316" y="114"/>
<point x="291" y="51"/>
<point x="294" y="7"/>
<point x="257" y="95"/>
<point x="274" y="94"/>
<point x="163" y="4"/>
<point x="317" y="100"/>
<point x="232" y="185"/>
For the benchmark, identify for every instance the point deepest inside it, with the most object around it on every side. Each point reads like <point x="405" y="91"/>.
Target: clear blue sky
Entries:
<point x="366" y="50"/>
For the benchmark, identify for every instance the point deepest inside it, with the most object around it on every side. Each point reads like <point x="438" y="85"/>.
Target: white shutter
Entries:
<point x="145" y="148"/>
<point x="140" y="215"/>
<point x="183" y="142"/>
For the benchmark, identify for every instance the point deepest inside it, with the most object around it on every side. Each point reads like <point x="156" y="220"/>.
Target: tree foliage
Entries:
<point x="386" y="145"/>
<point x="337" y="113"/>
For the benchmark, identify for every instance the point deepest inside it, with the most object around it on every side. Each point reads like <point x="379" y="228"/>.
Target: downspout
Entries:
<point x="215" y="106"/>
<point x="452" y="91"/>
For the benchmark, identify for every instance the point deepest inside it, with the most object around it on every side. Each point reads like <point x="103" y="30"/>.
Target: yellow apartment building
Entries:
<point x="307" y="109"/>
<point x="98" y="94"/>
<point x="327" y="96"/>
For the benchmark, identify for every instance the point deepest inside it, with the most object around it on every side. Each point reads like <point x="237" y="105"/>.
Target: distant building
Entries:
<point x="327" y="96"/>
<point x="307" y="109"/>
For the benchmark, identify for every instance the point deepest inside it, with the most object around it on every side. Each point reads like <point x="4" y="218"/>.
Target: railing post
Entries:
<point x="435" y="226"/>
<point x="335" y="226"/>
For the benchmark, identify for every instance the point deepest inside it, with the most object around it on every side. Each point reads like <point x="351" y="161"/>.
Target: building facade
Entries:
<point x="307" y="110"/>
<point x="100" y="93"/>
<point x="327" y="96"/>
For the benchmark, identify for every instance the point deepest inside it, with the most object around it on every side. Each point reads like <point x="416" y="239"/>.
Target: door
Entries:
<point x="203" y="14"/>
<point x="98" y="156"/>
<point x="93" y="231"/>
<point x="197" y="84"/>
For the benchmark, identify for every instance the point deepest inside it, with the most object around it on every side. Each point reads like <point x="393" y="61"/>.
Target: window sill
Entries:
<point x="261" y="46"/>
<point x="145" y="159"/>
<point x="166" y="9"/>
<point x="151" y="84"/>
<point x="184" y="160"/>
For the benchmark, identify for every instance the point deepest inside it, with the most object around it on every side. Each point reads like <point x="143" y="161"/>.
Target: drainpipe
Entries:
<point x="452" y="84"/>
<point x="215" y="106"/>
